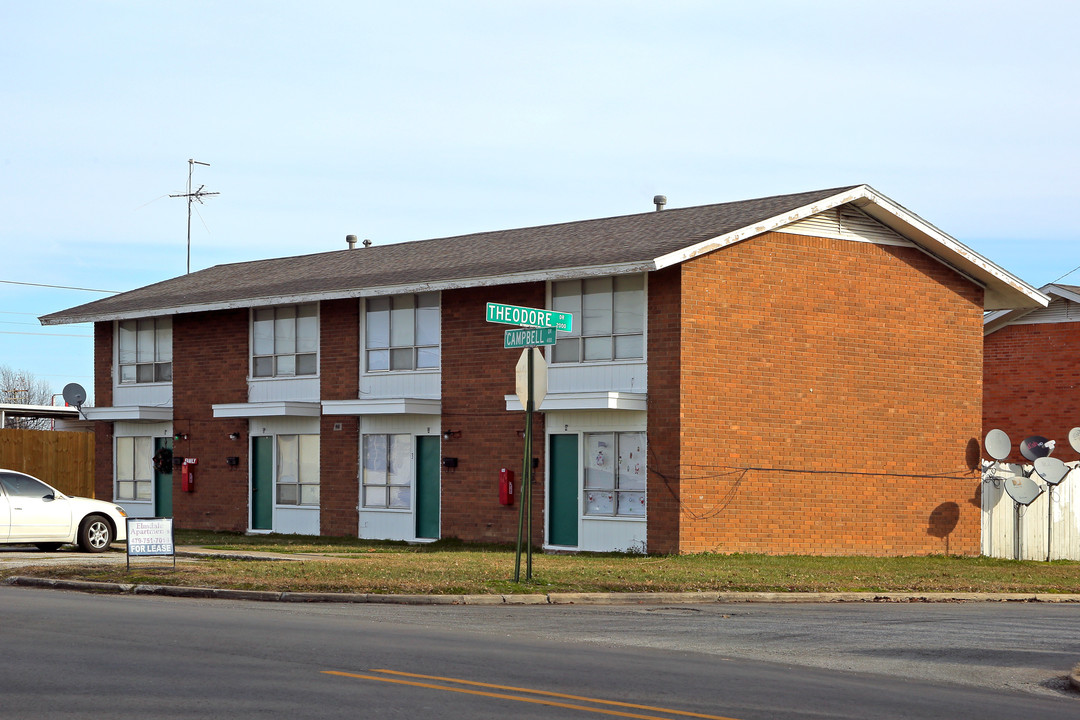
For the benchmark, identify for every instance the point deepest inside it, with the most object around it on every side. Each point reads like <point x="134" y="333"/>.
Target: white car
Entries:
<point x="32" y="512"/>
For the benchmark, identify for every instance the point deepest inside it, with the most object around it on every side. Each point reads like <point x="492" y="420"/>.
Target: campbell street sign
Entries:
<point x="528" y="337"/>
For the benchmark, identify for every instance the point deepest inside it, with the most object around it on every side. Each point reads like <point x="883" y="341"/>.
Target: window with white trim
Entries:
<point x="144" y="350"/>
<point x="298" y="470"/>
<point x="401" y="332"/>
<point x="387" y="471"/>
<point x="285" y="341"/>
<point x="134" y="467"/>
<point x="609" y="319"/>
<point x="615" y="474"/>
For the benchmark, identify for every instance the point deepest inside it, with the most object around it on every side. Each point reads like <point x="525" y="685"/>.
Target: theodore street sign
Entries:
<point x="529" y="317"/>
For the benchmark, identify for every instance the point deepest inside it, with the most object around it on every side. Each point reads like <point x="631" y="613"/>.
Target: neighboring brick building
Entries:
<point x="1031" y="376"/>
<point x="793" y="374"/>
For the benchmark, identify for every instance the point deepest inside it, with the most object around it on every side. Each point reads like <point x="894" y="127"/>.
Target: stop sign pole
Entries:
<point x="540" y="330"/>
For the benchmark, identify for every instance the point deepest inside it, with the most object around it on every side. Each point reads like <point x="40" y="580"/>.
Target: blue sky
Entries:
<point x="410" y="120"/>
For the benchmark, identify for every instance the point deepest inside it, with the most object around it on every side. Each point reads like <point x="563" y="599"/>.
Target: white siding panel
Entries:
<point x="387" y="525"/>
<point x="129" y="428"/>
<point x="612" y="535"/>
<point x="402" y="385"/>
<point x="296" y="520"/>
<point x="156" y="395"/>
<point x="284" y="426"/>
<point x="304" y="389"/>
<point x="622" y="377"/>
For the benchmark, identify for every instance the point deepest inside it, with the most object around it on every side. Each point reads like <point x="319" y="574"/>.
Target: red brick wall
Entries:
<point x="1031" y="384"/>
<point x="210" y="366"/>
<point x="476" y="375"/>
<point x="339" y="358"/>
<point x="665" y="418"/>
<point x="823" y="382"/>
<point x="103" y="397"/>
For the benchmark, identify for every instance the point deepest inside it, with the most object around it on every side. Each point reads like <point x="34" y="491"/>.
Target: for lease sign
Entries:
<point x="150" y="536"/>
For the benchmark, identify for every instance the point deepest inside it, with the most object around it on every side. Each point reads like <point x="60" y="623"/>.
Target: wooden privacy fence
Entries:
<point x="65" y="460"/>
<point x="1048" y="526"/>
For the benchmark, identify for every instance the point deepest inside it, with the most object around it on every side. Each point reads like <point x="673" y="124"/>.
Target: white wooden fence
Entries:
<point x="1016" y="532"/>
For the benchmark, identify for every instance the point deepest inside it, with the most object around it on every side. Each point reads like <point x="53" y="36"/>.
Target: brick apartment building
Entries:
<point x="791" y="374"/>
<point x="1031" y="379"/>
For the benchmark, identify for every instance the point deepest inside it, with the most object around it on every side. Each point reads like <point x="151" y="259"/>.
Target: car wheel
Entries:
<point x="95" y="534"/>
<point x="48" y="547"/>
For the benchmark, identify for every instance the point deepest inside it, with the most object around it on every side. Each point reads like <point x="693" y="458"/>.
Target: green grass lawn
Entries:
<point x="449" y="567"/>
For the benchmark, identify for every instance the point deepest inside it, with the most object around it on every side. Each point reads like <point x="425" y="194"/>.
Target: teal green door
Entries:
<point x="262" y="483"/>
<point x="163" y="482"/>
<point x="563" y="485"/>
<point x="427" y="486"/>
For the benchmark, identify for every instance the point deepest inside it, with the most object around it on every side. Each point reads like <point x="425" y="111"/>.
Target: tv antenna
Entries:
<point x="192" y="195"/>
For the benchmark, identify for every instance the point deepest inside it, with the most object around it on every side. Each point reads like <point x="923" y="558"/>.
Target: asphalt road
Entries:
<point x="81" y="656"/>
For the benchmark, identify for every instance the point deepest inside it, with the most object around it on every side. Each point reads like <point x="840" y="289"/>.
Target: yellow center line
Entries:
<point x="535" y="701"/>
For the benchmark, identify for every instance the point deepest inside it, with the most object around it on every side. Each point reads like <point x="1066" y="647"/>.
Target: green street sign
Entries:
<point x="529" y="317"/>
<point x="529" y="337"/>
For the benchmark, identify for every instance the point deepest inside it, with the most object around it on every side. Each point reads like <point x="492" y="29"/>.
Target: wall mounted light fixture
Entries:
<point x="447" y="434"/>
<point x="234" y="436"/>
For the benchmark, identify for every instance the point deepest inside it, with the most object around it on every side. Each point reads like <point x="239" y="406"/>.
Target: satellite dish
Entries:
<point x="1035" y="447"/>
<point x="74" y="394"/>
<point x="1051" y="469"/>
<point x="1023" y="490"/>
<point x="1074" y="439"/>
<point x="998" y="445"/>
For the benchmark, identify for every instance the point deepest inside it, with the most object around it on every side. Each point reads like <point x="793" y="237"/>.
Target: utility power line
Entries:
<point x="59" y="287"/>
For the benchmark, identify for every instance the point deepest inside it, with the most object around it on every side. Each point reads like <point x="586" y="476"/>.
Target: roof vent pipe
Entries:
<point x="351" y="240"/>
<point x="661" y="201"/>
<point x="367" y="243"/>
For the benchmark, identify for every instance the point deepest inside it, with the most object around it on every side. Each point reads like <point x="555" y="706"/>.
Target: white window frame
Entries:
<point x="599" y="334"/>
<point x="623" y="455"/>
<point x="160" y="352"/>
<point x="375" y="472"/>
<point x="283" y="361"/>
<point x="399" y="341"/>
<point x="129" y="468"/>
<point x="301" y="477"/>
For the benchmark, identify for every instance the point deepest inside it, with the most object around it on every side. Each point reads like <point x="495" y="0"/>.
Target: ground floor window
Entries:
<point x="615" y="474"/>
<point x="134" y="467"/>
<point x="387" y="471"/>
<point x="298" y="470"/>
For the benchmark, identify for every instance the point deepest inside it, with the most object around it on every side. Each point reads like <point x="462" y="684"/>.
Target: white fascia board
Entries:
<point x="583" y="401"/>
<point x="1062" y="292"/>
<point x="372" y="291"/>
<point x="767" y="225"/>
<point x="267" y="409"/>
<point x="149" y="413"/>
<point x="1002" y="289"/>
<point x="383" y="406"/>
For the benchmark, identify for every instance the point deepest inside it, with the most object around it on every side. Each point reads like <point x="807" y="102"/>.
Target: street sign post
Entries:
<point x="528" y="337"/>
<point x="529" y="317"/>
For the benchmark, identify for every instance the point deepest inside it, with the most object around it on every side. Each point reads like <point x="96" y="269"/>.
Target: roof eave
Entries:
<point x="371" y="291"/>
<point x="1002" y="289"/>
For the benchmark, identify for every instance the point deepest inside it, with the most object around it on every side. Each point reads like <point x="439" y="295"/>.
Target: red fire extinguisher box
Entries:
<point x="506" y="487"/>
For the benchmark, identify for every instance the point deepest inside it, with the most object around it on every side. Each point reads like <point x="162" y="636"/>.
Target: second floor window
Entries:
<point x="402" y="332"/>
<point x="144" y="350"/>
<point x="609" y="318"/>
<point x="285" y="341"/>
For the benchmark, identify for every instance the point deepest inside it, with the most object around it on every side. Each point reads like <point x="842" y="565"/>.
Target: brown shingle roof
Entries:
<point x="462" y="260"/>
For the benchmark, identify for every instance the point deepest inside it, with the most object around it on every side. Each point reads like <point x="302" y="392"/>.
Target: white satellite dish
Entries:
<point x="1074" y="439"/>
<point x="1051" y="469"/>
<point x="998" y="445"/>
<point x="1023" y="490"/>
